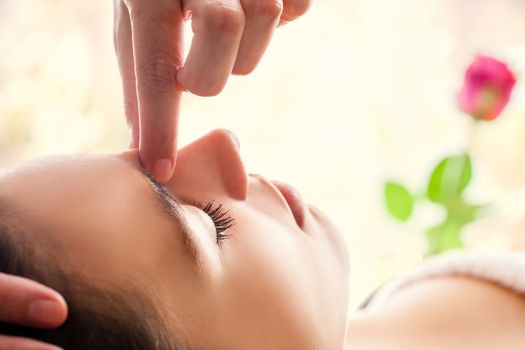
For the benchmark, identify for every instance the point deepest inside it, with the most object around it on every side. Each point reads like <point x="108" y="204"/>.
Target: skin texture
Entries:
<point x="270" y="285"/>
<point x="230" y="37"/>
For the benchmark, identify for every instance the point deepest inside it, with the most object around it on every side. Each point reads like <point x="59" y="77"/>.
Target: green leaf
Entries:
<point x="450" y="178"/>
<point x="443" y="237"/>
<point x="462" y="212"/>
<point x="447" y="235"/>
<point x="399" y="201"/>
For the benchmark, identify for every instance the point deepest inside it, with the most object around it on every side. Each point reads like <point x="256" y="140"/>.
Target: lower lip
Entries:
<point x="294" y="200"/>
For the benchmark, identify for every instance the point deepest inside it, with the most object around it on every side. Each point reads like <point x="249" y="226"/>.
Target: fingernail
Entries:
<point x="162" y="169"/>
<point x="45" y="312"/>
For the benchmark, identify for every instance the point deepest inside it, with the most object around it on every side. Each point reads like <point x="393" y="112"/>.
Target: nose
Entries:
<point x="211" y="164"/>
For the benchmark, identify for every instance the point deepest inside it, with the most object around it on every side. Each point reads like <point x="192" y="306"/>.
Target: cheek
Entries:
<point x="204" y="237"/>
<point x="267" y="256"/>
<point x="330" y="245"/>
<point x="270" y="273"/>
<point x="294" y="282"/>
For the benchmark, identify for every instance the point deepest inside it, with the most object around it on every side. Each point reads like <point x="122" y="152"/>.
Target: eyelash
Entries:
<point x="222" y="220"/>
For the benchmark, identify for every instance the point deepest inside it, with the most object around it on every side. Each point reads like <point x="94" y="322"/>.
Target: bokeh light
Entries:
<point x="355" y="92"/>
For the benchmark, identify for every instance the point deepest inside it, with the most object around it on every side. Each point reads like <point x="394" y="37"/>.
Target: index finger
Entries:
<point x="157" y="47"/>
<point x="26" y="302"/>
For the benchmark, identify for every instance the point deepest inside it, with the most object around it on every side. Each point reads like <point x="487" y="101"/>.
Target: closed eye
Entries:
<point x="222" y="220"/>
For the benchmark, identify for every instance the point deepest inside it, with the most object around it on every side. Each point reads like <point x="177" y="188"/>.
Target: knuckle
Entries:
<point x="266" y="8"/>
<point x="224" y="19"/>
<point x="159" y="71"/>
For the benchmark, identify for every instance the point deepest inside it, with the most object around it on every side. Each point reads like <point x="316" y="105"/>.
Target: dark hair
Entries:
<point x="98" y="319"/>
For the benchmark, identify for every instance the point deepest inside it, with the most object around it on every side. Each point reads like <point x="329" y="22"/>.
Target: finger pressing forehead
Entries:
<point x="157" y="30"/>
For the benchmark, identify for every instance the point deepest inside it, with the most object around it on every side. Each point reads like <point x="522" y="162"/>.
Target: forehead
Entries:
<point x="66" y="183"/>
<point x="47" y="170"/>
<point x="50" y="190"/>
<point x="77" y="178"/>
<point x="98" y="210"/>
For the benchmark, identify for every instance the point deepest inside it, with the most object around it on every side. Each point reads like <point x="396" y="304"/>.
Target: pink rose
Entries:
<point x="487" y="88"/>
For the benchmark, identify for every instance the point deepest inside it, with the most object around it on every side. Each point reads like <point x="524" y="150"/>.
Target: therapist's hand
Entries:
<point x="28" y="303"/>
<point x="230" y="37"/>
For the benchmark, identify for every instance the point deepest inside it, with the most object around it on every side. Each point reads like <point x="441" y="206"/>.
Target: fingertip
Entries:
<point x="162" y="169"/>
<point x="50" y="310"/>
<point x="47" y="312"/>
<point x="198" y="84"/>
<point x="63" y="310"/>
<point x="243" y="68"/>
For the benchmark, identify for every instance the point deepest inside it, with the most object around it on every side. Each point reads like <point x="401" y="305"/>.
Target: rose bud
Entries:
<point x="487" y="88"/>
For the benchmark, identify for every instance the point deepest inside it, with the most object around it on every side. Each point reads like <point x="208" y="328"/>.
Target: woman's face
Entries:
<point x="271" y="283"/>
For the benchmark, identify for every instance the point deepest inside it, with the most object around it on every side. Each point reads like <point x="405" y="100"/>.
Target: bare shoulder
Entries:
<point x="457" y="313"/>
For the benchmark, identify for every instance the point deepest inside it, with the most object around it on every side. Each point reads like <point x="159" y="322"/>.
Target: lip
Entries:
<point x="294" y="200"/>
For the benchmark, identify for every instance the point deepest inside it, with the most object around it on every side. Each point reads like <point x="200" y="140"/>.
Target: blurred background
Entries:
<point x="355" y="92"/>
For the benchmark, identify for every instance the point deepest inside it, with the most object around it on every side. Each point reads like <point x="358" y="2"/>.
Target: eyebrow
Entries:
<point x="172" y="208"/>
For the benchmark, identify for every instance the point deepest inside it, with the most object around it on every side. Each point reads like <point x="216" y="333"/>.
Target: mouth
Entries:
<point x="294" y="200"/>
